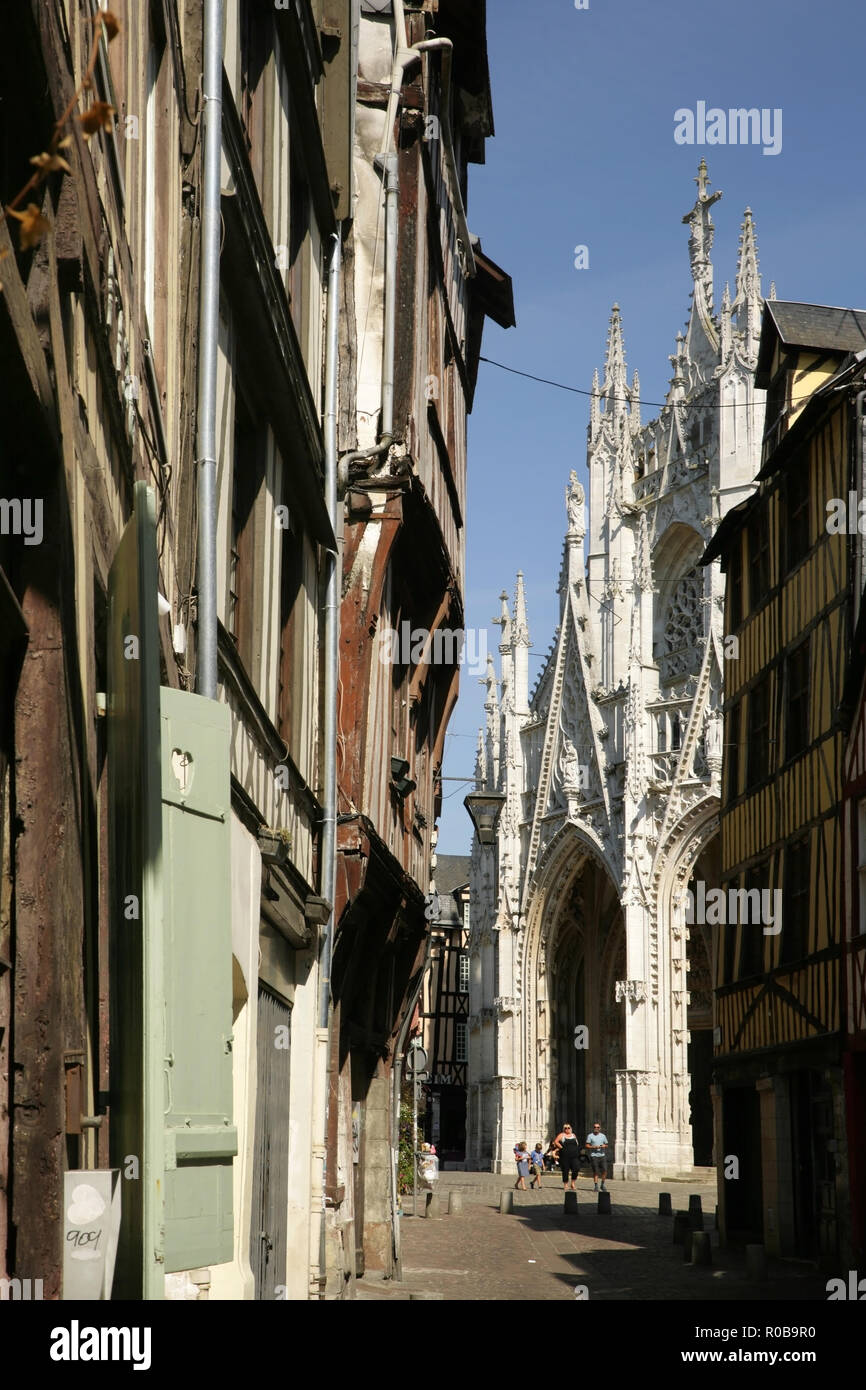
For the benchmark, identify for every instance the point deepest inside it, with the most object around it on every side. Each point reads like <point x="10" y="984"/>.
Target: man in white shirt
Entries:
<point x="596" y="1145"/>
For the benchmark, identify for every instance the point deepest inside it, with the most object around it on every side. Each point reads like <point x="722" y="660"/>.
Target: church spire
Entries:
<point x="701" y="233"/>
<point x="677" y="388"/>
<point x="520" y="644"/>
<point x="748" y="303"/>
<point x="615" y="388"/>
<point x="506" y="653"/>
<point x="491" y="709"/>
<point x="634" y="417"/>
<point x="726" y="334"/>
<point x="594" y="408"/>
<point x="480" y="764"/>
<point x="521" y="622"/>
<point x="504" y="621"/>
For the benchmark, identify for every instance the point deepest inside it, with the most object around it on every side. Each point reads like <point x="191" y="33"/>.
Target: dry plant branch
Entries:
<point x="98" y="116"/>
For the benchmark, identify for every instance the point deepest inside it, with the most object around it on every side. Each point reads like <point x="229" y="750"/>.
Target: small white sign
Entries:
<point x="91" y="1226"/>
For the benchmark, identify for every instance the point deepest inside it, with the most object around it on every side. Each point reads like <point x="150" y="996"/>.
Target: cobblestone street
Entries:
<point x="536" y="1253"/>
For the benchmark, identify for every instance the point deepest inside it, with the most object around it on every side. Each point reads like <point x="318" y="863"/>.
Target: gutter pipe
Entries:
<point x="208" y="346"/>
<point x="332" y="630"/>
<point x="329" y="809"/>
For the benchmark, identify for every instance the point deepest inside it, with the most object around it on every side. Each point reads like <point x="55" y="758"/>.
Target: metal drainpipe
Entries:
<point x="208" y="345"/>
<point x="332" y="658"/>
<point x="332" y="632"/>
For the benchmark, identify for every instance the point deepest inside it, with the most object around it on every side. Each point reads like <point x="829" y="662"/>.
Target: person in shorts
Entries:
<point x="596" y="1147"/>
<point x="536" y="1163"/>
<point x="568" y="1153"/>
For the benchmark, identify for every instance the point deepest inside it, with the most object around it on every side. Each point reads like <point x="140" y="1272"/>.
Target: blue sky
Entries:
<point x="584" y="154"/>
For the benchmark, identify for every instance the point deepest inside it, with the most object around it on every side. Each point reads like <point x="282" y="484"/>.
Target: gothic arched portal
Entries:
<point x="586" y="1041"/>
<point x="701" y="953"/>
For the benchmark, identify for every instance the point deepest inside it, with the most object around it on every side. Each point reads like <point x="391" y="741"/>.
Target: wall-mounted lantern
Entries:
<point x="485" y="809"/>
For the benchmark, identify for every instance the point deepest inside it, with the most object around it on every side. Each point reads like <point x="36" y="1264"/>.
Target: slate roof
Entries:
<point x="452" y="871"/>
<point x="807" y="326"/>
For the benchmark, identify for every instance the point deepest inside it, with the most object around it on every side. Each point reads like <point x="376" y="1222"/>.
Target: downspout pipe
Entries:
<point x="208" y="347"/>
<point x="331" y="681"/>
<point x="332" y="630"/>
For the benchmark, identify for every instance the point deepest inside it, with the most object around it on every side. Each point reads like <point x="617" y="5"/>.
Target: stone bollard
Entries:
<point x="425" y="1296"/>
<point x="570" y="1208"/>
<point x="756" y="1264"/>
<point x="681" y="1225"/>
<point x="696" y="1219"/>
<point x="455" y="1203"/>
<point x="665" y="1207"/>
<point x="432" y="1208"/>
<point x="688" y="1236"/>
<point x="506" y="1201"/>
<point x="604" y="1204"/>
<point x="701" y="1252"/>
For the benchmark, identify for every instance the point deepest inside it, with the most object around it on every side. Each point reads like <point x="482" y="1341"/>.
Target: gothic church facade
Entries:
<point x="590" y="995"/>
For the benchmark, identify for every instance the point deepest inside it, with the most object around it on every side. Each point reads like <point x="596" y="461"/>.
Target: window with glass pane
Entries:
<point x="759" y="558"/>
<point x="463" y="974"/>
<point x="759" y="733"/>
<point x="461" y="1043"/>
<point x="796" y="532"/>
<point x="733" y="725"/>
<point x="751" y="927"/>
<point x="735" y="585"/>
<point x="795" y="900"/>
<point x="797" y="670"/>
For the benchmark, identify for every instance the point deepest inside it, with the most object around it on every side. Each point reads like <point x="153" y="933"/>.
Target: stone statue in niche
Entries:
<point x="713" y="732"/>
<point x="570" y="762"/>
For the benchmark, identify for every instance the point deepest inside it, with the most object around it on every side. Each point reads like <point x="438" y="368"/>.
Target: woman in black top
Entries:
<point x="568" y="1153"/>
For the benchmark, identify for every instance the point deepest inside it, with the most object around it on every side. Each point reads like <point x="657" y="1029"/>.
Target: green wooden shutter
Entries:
<point x="199" y="1136"/>
<point x="171" y="949"/>
<point x="136" y="910"/>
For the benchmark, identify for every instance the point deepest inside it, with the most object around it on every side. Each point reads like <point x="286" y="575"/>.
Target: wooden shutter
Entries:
<point x="271" y="1160"/>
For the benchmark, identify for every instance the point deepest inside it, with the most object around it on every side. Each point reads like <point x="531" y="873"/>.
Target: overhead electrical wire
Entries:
<point x="611" y="400"/>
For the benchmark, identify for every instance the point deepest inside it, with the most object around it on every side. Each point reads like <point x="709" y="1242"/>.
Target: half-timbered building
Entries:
<point x="445" y="1010"/>
<point x="854" y="873"/>
<point x="778" y="1092"/>
<point x="160" y="852"/>
<point x="422" y="287"/>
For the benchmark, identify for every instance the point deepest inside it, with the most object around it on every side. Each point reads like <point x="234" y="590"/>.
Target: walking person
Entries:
<point x="596" y="1144"/>
<point x="522" y="1158"/>
<point x="536" y="1162"/>
<point x="568" y="1153"/>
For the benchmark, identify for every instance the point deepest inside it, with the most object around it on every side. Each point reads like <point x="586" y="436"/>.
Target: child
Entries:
<point x="536" y="1160"/>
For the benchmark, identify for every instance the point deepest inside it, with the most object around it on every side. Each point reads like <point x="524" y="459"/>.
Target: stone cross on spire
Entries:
<point x="701" y="236"/>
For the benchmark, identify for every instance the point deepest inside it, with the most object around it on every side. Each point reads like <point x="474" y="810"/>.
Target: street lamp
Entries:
<point x="485" y="809"/>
